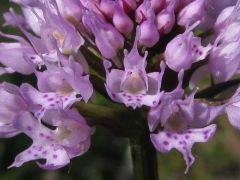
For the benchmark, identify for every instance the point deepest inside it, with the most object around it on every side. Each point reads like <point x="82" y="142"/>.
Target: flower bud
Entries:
<point x="107" y="7"/>
<point x="70" y="9"/>
<point x="180" y="4"/>
<point x="121" y="20"/>
<point x="185" y="49"/>
<point x="166" y="18"/>
<point x="107" y="38"/>
<point x="128" y="5"/>
<point x="149" y="33"/>
<point x="191" y="13"/>
<point x="157" y="5"/>
<point x="178" y="53"/>
<point x="141" y="12"/>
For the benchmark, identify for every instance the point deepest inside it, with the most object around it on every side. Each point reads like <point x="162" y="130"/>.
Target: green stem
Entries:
<point x="214" y="90"/>
<point x="144" y="158"/>
<point x="123" y="122"/>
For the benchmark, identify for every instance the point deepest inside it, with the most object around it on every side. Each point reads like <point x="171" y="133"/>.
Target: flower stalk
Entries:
<point x="144" y="158"/>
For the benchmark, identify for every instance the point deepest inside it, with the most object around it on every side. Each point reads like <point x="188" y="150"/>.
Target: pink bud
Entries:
<point x="178" y="53"/>
<point x="180" y="4"/>
<point x="149" y="33"/>
<point x="185" y="49"/>
<point x="70" y="9"/>
<point x="121" y="20"/>
<point x="107" y="39"/>
<point x="191" y="13"/>
<point x="158" y="5"/>
<point x="166" y="18"/>
<point x="141" y="12"/>
<point x="107" y="7"/>
<point x="128" y="5"/>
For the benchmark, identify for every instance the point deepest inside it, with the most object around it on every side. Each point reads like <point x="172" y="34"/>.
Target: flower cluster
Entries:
<point x="124" y="34"/>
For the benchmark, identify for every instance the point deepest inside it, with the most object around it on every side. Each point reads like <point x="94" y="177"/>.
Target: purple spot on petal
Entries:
<point x="44" y="152"/>
<point x="29" y="128"/>
<point x="18" y="158"/>
<point x="189" y="159"/>
<point x="66" y="99"/>
<point x="168" y="135"/>
<point x="45" y="95"/>
<point x="41" y="134"/>
<point x="165" y="143"/>
<point x="50" y="99"/>
<point x="113" y="95"/>
<point x="175" y="137"/>
<point x="205" y="132"/>
<point x="129" y="99"/>
<point x="187" y="137"/>
<point x="55" y="156"/>
<point x="206" y="136"/>
<point x="180" y="142"/>
<point x="35" y="155"/>
<point x="138" y="99"/>
<point x="52" y="105"/>
<point x="29" y="151"/>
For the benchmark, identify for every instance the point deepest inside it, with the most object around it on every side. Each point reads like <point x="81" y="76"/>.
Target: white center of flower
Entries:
<point x="59" y="84"/>
<point x="134" y="83"/>
<point x="176" y="123"/>
<point x="59" y="38"/>
<point x="62" y="133"/>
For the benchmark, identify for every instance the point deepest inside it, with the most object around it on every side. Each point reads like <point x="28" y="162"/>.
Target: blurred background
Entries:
<point x="109" y="157"/>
